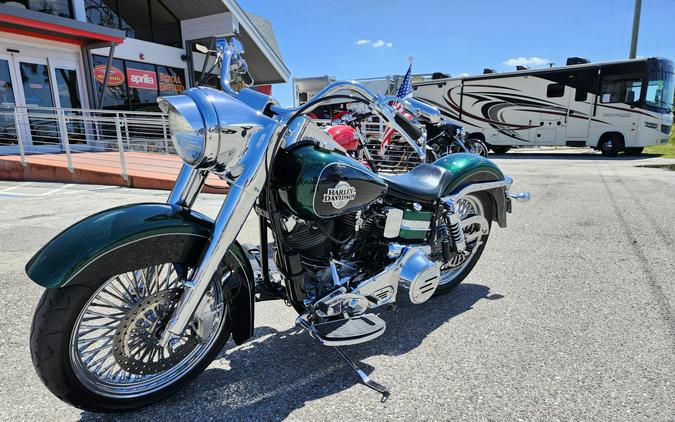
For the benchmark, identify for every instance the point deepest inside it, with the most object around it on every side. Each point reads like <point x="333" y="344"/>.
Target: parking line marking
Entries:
<point x="20" y="185"/>
<point x="49" y="192"/>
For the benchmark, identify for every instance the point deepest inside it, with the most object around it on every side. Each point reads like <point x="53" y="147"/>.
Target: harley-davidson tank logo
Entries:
<point x="340" y="195"/>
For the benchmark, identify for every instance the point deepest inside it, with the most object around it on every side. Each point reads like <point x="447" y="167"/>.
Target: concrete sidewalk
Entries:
<point x="144" y="170"/>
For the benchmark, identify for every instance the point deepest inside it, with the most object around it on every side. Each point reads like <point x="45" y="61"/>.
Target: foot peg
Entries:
<point x="346" y="332"/>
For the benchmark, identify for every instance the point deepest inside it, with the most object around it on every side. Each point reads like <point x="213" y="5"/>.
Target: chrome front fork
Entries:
<point x="243" y="193"/>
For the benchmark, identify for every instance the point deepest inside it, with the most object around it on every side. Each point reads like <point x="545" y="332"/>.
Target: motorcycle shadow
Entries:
<point x="277" y="372"/>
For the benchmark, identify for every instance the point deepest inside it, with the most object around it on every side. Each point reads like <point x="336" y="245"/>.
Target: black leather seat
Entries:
<point x="425" y="183"/>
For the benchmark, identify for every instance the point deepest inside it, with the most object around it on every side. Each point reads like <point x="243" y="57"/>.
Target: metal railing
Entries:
<point x="67" y="133"/>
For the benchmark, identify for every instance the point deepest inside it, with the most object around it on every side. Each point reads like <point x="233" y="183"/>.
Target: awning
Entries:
<point x="256" y="33"/>
<point x="37" y="24"/>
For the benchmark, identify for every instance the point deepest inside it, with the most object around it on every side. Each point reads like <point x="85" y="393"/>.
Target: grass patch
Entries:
<point x="665" y="151"/>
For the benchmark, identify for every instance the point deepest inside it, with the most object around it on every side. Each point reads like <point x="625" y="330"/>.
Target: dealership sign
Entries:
<point x="115" y="76"/>
<point x="142" y="79"/>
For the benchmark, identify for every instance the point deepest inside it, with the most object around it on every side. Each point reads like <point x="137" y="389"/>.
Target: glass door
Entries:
<point x="8" y="139"/>
<point x="69" y="99"/>
<point x="37" y="93"/>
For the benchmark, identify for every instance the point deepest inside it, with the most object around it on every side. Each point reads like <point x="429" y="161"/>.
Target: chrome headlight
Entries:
<point x="209" y="128"/>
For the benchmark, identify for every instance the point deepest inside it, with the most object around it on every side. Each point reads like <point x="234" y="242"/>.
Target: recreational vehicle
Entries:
<point x="613" y="107"/>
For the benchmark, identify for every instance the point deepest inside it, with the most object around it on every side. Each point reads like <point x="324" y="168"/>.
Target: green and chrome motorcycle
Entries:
<point x="142" y="297"/>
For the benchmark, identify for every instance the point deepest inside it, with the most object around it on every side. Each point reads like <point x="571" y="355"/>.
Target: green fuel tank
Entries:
<point x="316" y="183"/>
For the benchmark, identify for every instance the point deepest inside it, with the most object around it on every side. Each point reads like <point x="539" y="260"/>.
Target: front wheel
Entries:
<point x="610" y="145"/>
<point x="95" y="344"/>
<point x="461" y="264"/>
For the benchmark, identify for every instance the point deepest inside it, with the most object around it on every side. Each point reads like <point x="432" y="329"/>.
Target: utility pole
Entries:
<point x="636" y="29"/>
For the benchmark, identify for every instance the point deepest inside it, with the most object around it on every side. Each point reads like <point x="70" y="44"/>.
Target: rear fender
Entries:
<point x="468" y="169"/>
<point x="138" y="236"/>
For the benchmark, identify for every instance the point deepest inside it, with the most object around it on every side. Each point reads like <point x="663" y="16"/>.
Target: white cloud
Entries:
<point x="463" y="74"/>
<point x="374" y="44"/>
<point x="527" y="61"/>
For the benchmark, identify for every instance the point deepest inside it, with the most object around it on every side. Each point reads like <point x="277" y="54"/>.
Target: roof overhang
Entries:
<point x="261" y="57"/>
<point x="28" y="22"/>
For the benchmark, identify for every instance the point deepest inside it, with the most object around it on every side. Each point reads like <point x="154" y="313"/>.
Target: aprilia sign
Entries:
<point x="141" y="79"/>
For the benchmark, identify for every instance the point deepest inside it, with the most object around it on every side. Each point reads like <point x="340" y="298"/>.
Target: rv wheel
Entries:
<point x="610" y="145"/>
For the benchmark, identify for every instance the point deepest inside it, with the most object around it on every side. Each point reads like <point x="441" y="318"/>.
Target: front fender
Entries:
<point x="133" y="237"/>
<point x="468" y="169"/>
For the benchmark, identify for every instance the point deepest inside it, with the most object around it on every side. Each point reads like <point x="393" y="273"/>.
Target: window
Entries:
<point x="555" y="90"/>
<point x="580" y="95"/>
<point x="135" y="85"/>
<point x="147" y="20"/>
<point x="660" y="91"/>
<point x="143" y="86"/>
<point x="53" y="7"/>
<point x="171" y="80"/>
<point x="102" y="12"/>
<point x="116" y="96"/>
<point x="620" y="91"/>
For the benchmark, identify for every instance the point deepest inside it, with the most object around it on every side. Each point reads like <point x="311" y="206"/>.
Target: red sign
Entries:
<point x="142" y="79"/>
<point x="115" y="76"/>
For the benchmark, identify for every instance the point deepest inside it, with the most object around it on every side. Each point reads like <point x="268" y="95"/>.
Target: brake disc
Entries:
<point x="136" y="341"/>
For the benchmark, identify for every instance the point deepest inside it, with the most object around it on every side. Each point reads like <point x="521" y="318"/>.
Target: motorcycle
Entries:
<point x="444" y="138"/>
<point x="141" y="298"/>
<point x="449" y="138"/>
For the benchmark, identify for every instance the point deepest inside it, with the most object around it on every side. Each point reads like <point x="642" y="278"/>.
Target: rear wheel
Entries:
<point x="476" y="146"/>
<point x="96" y="345"/>
<point x="460" y="265"/>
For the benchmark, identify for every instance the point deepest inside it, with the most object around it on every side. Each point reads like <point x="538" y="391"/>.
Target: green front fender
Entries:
<point x="468" y="169"/>
<point x="133" y="237"/>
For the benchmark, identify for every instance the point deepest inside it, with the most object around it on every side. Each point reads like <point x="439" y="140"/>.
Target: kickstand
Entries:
<point x="365" y="380"/>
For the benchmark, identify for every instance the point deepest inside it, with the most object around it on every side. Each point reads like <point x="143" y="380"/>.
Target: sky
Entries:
<point x="352" y="39"/>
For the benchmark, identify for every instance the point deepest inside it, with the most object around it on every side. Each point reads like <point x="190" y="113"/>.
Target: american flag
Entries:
<point x="405" y="90"/>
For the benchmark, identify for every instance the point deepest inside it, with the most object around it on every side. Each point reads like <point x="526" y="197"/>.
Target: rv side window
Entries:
<point x="555" y="90"/>
<point x="621" y="91"/>
<point x="580" y="95"/>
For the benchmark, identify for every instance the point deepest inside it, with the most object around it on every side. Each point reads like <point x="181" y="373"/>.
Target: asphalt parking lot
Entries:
<point x="569" y="315"/>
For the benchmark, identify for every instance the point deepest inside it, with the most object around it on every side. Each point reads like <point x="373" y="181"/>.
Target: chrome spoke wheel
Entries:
<point x="469" y="207"/>
<point x="115" y="349"/>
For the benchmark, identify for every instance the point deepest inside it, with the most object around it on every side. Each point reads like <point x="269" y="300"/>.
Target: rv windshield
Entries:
<point x="660" y="87"/>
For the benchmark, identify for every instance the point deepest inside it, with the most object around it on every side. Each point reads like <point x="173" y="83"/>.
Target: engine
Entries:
<point x="351" y="243"/>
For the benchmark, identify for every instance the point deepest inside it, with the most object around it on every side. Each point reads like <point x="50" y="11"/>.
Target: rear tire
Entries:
<point x="481" y="203"/>
<point x="476" y="146"/>
<point x="57" y="354"/>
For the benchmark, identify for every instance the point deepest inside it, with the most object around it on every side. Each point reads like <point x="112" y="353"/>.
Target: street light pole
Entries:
<point x="636" y="29"/>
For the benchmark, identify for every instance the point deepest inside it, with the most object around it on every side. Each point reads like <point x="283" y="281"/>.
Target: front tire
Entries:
<point x="610" y="145"/>
<point x="459" y="268"/>
<point x="92" y="343"/>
